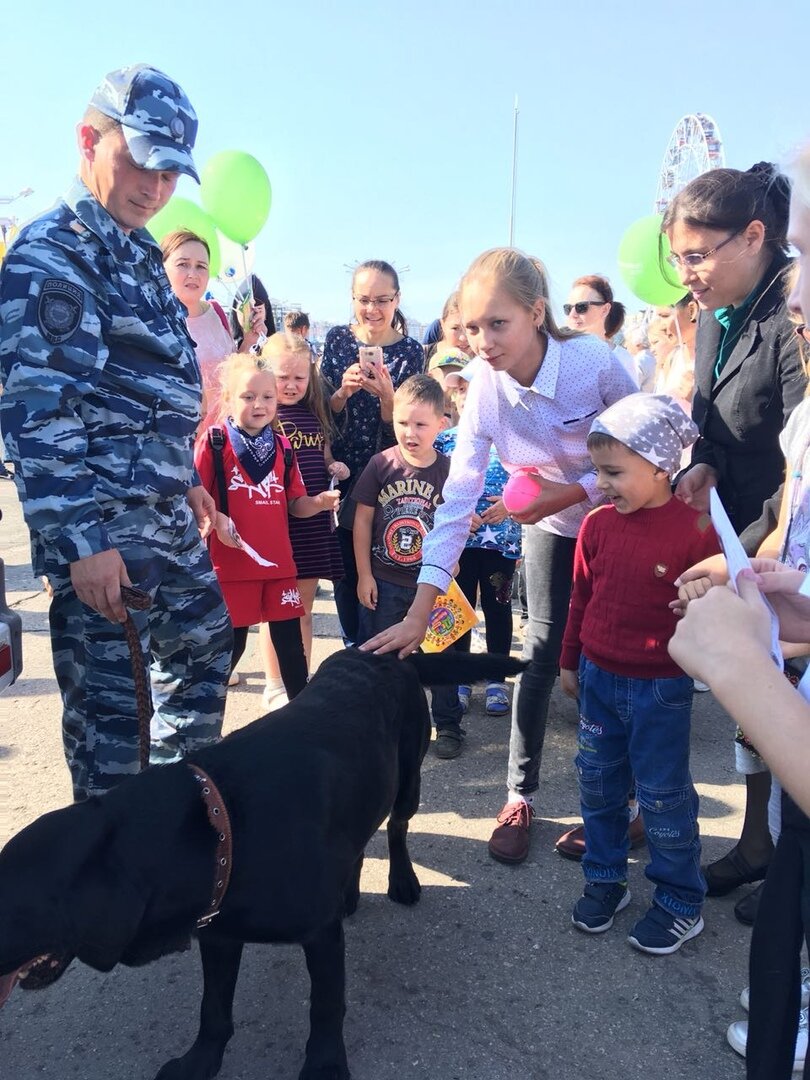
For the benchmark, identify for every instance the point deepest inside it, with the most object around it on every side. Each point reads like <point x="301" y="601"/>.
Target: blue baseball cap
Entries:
<point x="157" y="119"/>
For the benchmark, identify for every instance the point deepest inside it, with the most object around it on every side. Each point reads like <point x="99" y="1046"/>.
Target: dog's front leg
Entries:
<point x="326" y="1054"/>
<point x="221" y="958"/>
<point x="403" y="884"/>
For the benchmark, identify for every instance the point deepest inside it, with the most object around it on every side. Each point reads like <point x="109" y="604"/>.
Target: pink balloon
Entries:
<point x="521" y="489"/>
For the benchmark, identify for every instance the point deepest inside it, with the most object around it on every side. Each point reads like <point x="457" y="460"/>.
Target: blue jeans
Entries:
<point x="639" y="726"/>
<point x="393" y="602"/>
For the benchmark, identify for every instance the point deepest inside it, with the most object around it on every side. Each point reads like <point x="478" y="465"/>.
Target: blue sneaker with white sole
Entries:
<point x="661" y="933"/>
<point x="600" y="901"/>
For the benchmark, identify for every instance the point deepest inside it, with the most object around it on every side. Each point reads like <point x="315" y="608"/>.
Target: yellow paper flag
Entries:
<point x="452" y="616"/>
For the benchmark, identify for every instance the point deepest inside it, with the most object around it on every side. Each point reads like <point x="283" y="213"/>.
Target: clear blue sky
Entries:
<point x="386" y="128"/>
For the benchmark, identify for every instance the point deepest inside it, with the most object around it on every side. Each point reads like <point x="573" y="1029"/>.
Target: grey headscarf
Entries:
<point x="653" y="425"/>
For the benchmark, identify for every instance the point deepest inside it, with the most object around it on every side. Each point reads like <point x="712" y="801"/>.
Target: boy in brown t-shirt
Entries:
<point x="396" y="496"/>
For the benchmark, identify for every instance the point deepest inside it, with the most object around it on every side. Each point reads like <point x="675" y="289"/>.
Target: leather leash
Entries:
<point x="215" y="806"/>
<point x="139" y="601"/>
<point x="221" y="824"/>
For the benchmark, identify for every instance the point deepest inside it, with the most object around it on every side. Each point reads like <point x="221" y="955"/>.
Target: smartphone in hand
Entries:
<point x="370" y="358"/>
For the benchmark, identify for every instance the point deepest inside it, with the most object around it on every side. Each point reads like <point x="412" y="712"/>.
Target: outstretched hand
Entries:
<point x="721" y="628"/>
<point x="552" y="499"/>
<point x="403" y="638"/>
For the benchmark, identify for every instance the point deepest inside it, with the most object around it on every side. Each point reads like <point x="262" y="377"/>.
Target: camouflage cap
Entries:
<point x="157" y="119"/>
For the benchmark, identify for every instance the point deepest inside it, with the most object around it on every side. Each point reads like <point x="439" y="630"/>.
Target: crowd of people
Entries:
<point x="224" y="470"/>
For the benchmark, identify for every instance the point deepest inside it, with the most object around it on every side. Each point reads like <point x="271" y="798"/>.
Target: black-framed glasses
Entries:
<point x="581" y="306"/>
<point x="695" y="259"/>
<point x="803" y="332"/>
<point x="374" y="301"/>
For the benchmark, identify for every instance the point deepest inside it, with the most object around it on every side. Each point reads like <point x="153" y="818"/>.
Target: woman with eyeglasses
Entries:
<point x="727" y="232"/>
<point x="591" y="309"/>
<point x="363" y="397"/>
<point x="726" y="640"/>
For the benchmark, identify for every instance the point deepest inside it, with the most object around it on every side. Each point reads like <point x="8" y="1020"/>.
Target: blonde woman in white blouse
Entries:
<point x="534" y="396"/>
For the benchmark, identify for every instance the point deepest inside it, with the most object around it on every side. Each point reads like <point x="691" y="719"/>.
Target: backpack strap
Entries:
<point x="216" y="440"/>
<point x="289" y="458"/>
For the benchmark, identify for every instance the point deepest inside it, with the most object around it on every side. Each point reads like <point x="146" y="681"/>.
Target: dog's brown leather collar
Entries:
<point x="221" y="823"/>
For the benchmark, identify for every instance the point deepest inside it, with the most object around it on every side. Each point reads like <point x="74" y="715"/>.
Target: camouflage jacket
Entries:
<point x="102" y="390"/>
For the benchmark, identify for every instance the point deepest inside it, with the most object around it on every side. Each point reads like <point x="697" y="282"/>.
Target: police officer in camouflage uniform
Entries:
<point x="102" y="398"/>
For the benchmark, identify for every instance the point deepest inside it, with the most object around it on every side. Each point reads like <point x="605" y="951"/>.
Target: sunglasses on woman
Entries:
<point x="581" y="307"/>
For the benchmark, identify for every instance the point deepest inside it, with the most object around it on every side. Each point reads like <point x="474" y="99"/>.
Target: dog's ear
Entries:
<point x="105" y="912"/>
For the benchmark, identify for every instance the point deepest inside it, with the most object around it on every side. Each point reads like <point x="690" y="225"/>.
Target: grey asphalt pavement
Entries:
<point x="485" y="979"/>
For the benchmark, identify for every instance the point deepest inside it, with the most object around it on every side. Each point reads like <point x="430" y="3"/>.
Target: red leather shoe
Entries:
<point x="509" y="842"/>
<point x="571" y="844"/>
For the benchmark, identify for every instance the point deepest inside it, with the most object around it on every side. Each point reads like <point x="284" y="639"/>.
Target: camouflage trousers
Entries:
<point x="186" y="639"/>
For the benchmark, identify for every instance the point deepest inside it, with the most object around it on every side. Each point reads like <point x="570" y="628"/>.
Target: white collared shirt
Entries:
<point x="545" y="425"/>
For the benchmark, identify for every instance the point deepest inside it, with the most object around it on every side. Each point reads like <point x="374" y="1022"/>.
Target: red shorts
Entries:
<point x="252" y="602"/>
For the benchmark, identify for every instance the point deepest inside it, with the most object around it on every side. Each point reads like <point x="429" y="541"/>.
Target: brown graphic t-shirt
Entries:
<point x="404" y="498"/>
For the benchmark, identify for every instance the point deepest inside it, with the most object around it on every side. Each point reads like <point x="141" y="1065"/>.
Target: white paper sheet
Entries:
<point x="737" y="560"/>
<point x="243" y="545"/>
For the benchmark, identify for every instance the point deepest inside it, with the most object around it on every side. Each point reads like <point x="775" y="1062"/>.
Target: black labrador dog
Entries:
<point x="125" y="878"/>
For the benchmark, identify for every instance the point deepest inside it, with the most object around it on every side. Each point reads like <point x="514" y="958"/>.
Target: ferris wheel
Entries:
<point x="694" y="147"/>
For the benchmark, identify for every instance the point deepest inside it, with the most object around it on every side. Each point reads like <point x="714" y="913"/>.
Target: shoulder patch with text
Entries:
<point x="60" y="309"/>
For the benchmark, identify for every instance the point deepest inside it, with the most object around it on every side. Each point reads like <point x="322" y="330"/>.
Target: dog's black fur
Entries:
<point x="124" y="878"/>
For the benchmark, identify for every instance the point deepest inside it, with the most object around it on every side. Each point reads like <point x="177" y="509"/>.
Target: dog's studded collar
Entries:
<point x="221" y="824"/>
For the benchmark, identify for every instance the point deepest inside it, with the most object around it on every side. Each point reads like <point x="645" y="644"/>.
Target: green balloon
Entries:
<point x="235" y="190"/>
<point x="180" y="213"/>
<point x="642" y="263"/>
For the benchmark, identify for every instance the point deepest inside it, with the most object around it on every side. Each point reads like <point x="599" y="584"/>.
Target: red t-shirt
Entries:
<point x="625" y="569"/>
<point x="259" y="512"/>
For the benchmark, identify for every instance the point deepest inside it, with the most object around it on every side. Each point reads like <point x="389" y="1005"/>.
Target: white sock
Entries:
<point x="513" y="796"/>
<point x="274" y="684"/>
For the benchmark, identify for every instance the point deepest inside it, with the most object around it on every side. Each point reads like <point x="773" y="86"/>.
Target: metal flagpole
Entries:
<point x="514" y="176"/>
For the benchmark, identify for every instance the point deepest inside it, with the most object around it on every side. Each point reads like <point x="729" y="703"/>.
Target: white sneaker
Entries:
<point x="737" y="1036"/>
<point x="805" y="980"/>
<point x="234" y="678"/>
<point x="701" y="687"/>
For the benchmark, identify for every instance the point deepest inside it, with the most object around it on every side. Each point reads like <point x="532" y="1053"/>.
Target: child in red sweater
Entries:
<point x="635" y="702"/>
<point x="262" y="486"/>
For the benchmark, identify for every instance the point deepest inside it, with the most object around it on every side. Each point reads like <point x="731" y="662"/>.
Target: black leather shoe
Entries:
<point x="745" y="910"/>
<point x="727" y="874"/>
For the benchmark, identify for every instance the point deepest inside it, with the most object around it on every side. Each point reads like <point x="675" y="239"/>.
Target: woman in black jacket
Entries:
<point x="727" y="231"/>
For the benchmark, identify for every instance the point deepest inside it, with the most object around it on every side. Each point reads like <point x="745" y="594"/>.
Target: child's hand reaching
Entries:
<point x="328" y="500"/>
<point x="367" y="591"/>
<point x="340" y="471"/>
<point x="569" y="683"/>
<point x="496" y="513"/>
<point x="689" y="591"/>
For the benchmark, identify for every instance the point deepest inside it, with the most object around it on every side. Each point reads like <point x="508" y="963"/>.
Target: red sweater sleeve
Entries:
<point x="580" y="593"/>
